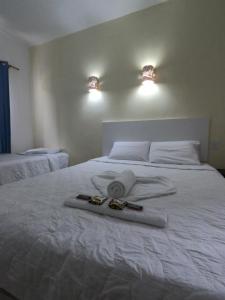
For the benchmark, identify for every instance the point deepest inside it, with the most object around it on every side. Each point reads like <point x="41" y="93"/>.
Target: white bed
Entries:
<point x="49" y="251"/>
<point x="63" y="253"/>
<point x="14" y="167"/>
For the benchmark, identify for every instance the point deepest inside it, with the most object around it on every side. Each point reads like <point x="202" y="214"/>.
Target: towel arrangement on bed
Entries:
<point x="154" y="217"/>
<point x="126" y="186"/>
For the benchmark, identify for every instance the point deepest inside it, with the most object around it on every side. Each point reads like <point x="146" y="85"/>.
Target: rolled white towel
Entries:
<point x="144" y="188"/>
<point x="121" y="185"/>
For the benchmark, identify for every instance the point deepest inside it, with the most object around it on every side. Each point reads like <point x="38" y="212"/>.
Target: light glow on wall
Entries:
<point x="94" y="95"/>
<point x="94" y="89"/>
<point x="148" y="88"/>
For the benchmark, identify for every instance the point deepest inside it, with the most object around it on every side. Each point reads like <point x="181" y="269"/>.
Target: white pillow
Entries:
<point x="130" y="151"/>
<point x="42" y="151"/>
<point x="180" y="153"/>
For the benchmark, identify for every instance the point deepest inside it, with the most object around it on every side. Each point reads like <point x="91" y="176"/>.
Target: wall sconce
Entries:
<point x="148" y="75"/>
<point x="93" y="84"/>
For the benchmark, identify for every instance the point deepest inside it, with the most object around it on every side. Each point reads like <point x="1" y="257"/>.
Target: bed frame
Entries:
<point x="157" y="130"/>
<point x="6" y="296"/>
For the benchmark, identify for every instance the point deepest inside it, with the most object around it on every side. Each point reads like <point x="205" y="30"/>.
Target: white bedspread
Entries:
<point x="15" y="167"/>
<point x="48" y="251"/>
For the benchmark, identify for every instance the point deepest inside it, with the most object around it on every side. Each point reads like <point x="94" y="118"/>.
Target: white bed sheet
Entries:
<point x="14" y="167"/>
<point x="48" y="251"/>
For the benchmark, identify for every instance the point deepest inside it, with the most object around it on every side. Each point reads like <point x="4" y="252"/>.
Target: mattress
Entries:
<point x="49" y="251"/>
<point x="14" y="167"/>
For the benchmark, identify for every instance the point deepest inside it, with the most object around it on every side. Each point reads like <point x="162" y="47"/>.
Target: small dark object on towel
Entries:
<point x="120" y="204"/>
<point x="134" y="206"/>
<point x="117" y="204"/>
<point x="97" y="200"/>
<point x="84" y="197"/>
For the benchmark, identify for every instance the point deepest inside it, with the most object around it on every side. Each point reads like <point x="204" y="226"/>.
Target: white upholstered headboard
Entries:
<point x="157" y="130"/>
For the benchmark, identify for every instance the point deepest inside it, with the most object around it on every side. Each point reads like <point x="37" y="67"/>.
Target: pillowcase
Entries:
<point x="42" y="151"/>
<point x="179" y="153"/>
<point x="138" y="151"/>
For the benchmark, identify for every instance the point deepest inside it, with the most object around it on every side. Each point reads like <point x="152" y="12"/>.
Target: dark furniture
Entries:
<point x="222" y="172"/>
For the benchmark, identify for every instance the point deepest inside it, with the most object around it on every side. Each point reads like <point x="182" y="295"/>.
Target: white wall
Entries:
<point x="16" y="52"/>
<point x="184" y="41"/>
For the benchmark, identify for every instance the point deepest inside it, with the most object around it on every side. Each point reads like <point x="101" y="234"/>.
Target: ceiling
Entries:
<point x="39" y="21"/>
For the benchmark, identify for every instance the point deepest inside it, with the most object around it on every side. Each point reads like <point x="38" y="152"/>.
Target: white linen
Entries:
<point x="143" y="187"/>
<point x="51" y="252"/>
<point x="201" y="167"/>
<point x="58" y="161"/>
<point x="15" y="167"/>
<point x="120" y="184"/>
<point x="42" y="151"/>
<point x="130" y="151"/>
<point x="180" y="152"/>
<point x="147" y="216"/>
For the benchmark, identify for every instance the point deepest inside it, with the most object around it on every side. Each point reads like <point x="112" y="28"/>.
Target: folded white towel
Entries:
<point x="144" y="188"/>
<point x="42" y="151"/>
<point x="121" y="185"/>
<point x="154" y="217"/>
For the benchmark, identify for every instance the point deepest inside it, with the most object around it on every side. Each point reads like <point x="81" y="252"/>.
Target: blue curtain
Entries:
<point x="5" y="130"/>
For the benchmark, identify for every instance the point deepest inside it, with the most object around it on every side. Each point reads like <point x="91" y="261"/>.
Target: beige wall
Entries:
<point x="184" y="39"/>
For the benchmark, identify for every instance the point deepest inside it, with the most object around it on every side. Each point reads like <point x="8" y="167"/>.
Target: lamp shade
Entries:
<point x="148" y="73"/>
<point x="93" y="83"/>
